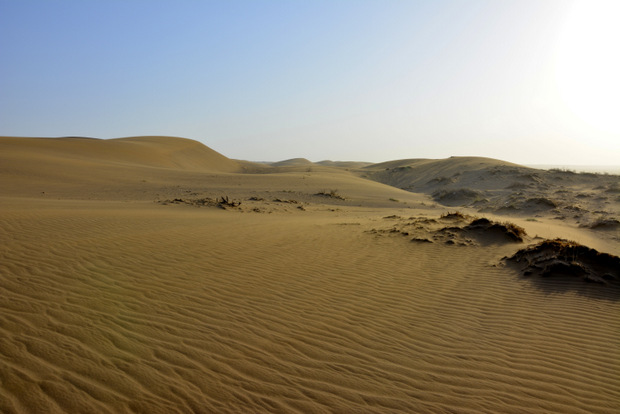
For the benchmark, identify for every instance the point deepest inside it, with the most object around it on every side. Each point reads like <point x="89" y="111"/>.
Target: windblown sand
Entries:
<point x="123" y="290"/>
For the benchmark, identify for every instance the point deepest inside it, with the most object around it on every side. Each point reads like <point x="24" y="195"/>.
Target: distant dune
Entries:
<point x="596" y="169"/>
<point x="155" y="275"/>
<point x="500" y="187"/>
<point x="418" y="173"/>
<point x="293" y="162"/>
<point x="344" y="164"/>
<point x="162" y="152"/>
<point x="32" y="165"/>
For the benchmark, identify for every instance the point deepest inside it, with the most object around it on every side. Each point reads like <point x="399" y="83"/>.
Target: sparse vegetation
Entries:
<point x="224" y="202"/>
<point x="542" y="201"/>
<point x="330" y="193"/>
<point x="510" y="230"/>
<point x="456" y="215"/>
<point x="603" y="223"/>
<point x="562" y="170"/>
<point x="441" y="180"/>
<point x="278" y="200"/>
<point x="461" y="196"/>
<point x="561" y="257"/>
<point x="455" y="228"/>
<point x="613" y="188"/>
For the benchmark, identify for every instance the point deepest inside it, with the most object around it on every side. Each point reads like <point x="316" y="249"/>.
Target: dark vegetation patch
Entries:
<point x="330" y="194"/>
<point x="223" y="202"/>
<point x="603" y="223"/>
<point x="450" y="229"/>
<point x="290" y="201"/>
<point x="508" y="230"/>
<point x="457" y="215"/>
<point x="574" y="208"/>
<point x="542" y="202"/>
<point x="441" y="181"/>
<point x="613" y="188"/>
<point x="518" y="186"/>
<point x="516" y="203"/>
<point x="453" y="229"/>
<point x="424" y="220"/>
<point x="458" y="197"/>
<point x="483" y="230"/>
<point x="563" y="258"/>
<point x="511" y="190"/>
<point x="421" y="240"/>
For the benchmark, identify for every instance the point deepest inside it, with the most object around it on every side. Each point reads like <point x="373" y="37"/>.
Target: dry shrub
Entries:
<point x="510" y="230"/>
<point x="561" y="257"/>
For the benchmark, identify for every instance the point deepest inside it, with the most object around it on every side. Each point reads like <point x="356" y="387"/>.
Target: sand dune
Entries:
<point x="315" y="294"/>
<point x="163" y="152"/>
<point x="344" y="164"/>
<point x="61" y="164"/>
<point x="293" y="162"/>
<point x="498" y="187"/>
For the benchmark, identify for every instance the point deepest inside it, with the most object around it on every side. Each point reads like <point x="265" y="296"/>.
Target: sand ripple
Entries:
<point x="144" y="309"/>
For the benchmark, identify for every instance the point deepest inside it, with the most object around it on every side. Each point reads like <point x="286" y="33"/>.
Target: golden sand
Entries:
<point x="121" y="291"/>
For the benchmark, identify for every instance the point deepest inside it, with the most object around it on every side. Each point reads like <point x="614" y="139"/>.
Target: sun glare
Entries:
<point x="588" y="63"/>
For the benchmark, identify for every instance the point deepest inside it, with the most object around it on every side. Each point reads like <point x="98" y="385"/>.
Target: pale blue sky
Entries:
<point x="341" y="80"/>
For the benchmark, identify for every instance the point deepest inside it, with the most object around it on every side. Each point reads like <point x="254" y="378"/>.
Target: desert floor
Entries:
<point x="131" y="280"/>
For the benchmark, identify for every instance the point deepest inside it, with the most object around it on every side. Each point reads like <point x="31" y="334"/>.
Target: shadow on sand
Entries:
<point x="559" y="285"/>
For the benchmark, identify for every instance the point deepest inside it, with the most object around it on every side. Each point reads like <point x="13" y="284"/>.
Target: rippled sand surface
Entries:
<point x="128" y="303"/>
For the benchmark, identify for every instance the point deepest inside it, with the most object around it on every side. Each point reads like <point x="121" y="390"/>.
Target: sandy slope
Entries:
<point x="497" y="186"/>
<point x="74" y="166"/>
<point x="115" y="298"/>
<point x="493" y="187"/>
<point x="164" y="152"/>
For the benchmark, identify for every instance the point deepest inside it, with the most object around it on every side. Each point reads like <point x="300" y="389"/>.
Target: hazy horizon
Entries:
<point x="528" y="82"/>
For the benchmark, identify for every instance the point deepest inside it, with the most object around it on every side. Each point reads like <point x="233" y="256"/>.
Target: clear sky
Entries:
<point x="533" y="82"/>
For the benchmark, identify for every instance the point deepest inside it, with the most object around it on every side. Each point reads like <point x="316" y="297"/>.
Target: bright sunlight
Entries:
<point x="588" y="63"/>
